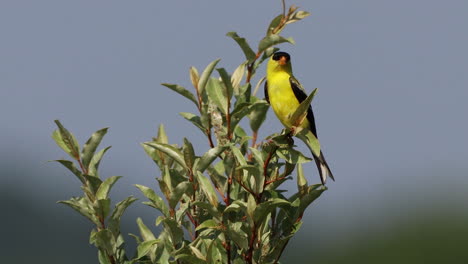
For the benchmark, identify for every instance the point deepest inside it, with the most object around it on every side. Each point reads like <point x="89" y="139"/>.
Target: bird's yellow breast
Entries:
<point x="282" y="98"/>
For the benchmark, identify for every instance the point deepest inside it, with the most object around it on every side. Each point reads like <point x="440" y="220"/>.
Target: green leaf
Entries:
<point x="272" y="40"/>
<point x="309" y="195"/>
<point x="102" y="208"/>
<point x="104" y="188"/>
<point x="299" y="115"/>
<point x="182" y="91"/>
<point x="226" y="79"/>
<point x="197" y="253"/>
<point x="93" y="183"/>
<point x="91" y="145"/>
<point x="239" y="112"/>
<point x="156" y="201"/>
<point x="82" y="206"/>
<point x="237" y="76"/>
<point x="297" y="16"/>
<point x="105" y="241"/>
<point x="301" y="180"/>
<point x="170" y="151"/>
<point x="177" y="193"/>
<point x="242" y="42"/>
<point x="206" y="75"/>
<point x="311" y="141"/>
<point x="145" y="233"/>
<point x="239" y="157"/>
<point x="207" y="188"/>
<point x="95" y="161"/>
<point x="194" y="119"/>
<point x="210" y="223"/>
<point x="189" y="153"/>
<point x="211" y="210"/>
<point x="103" y="258"/>
<point x="194" y="77"/>
<point x="66" y="141"/>
<point x="174" y="230"/>
<point x="292" y="156"/>
<point x="251" y="205"/>
<point x="259" y="83"/>
<point x="273" y="24"/>
<point x="258" y="114"/>
<point x="71" y="166"/>
<point x="144" y="248"/>
<point x="162" y="136"/>
<point x="209" y="157"/>
<point x="234" y="231"/>
<point x="217" y="94"/>
<point x="119" y="209"/>
<point x="236" y="206"/>
<point x="263" y="209"/>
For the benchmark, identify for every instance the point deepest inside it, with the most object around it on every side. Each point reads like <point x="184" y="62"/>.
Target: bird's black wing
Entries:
<point x="301" y="96"/>
<point x="267" y="98"/>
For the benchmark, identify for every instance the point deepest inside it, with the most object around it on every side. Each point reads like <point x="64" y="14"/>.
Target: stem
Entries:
<point x="251" y="244"/>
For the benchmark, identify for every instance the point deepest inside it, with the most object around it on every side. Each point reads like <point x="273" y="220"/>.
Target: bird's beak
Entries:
<point x="282" y="61"/>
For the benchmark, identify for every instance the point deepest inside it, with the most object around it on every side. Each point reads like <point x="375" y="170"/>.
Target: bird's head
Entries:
<point x="279" y="61"/>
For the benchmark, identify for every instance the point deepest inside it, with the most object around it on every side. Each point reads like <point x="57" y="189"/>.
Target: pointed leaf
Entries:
<point x="311" y="142"/>
<point x="242" y="42"/>
<point x="207" y="188"/>
<point x="292" y="156"/>
<point x="71" y="166"/>
<point x="91" y="145"/>
<point x="263" y="209"/>
<point x="302" y="109"/>
<point x="145" y="232"/>
<point x="144" y="248"/>
<point x="194" y="119"/>
<point x="82" y="206"/>
<point x="258" y="114"/>
<point x="102" y="208"/>
<point x="272" y="40"/>
<point x="169" y="150"/>
<point x="182" y="91"/>
<point x="210" y="223"/>
<point x="226" y="79"/>
<point x="217" y="94"/>
<point x="177" y="193"/>
<point x="66" y="141"/>
<point x="119" y="209"/>
<point x="237" y="76"/>
<point x="95" y="161"/>
<point x="206" y="75"/>
<point x="209" y="157"/>
<point x="189" y="153"/>
<point x="105" y="240"/>
<point x="194" y="77"/>
<point x="274" y="24"/>
<point x="104" y="188"/>
<point x="197" y="253"/>
<point x="301" y="180"/>
<point x="156" y="201"/>
<point x="259" y="83"/>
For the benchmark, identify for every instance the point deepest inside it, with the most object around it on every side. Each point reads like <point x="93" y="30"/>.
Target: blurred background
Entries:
<point x="391" y="114"/>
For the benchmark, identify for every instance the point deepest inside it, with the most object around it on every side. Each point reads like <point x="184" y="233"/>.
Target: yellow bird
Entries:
<point x="284" y="93"/>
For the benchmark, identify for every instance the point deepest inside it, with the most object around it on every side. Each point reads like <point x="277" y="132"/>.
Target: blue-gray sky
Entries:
<point x="391" y="108"/>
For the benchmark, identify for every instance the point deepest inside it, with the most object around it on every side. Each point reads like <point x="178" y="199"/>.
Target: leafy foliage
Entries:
<point x="221" y="206"/>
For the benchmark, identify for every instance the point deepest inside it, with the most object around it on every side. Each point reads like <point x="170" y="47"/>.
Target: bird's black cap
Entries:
<point x="277" y="56"/>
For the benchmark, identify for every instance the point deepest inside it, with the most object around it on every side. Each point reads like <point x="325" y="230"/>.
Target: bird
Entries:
<point x="284" y="93"/>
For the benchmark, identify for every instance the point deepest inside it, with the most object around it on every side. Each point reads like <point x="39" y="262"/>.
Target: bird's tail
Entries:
<point x="323" y="168"/>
